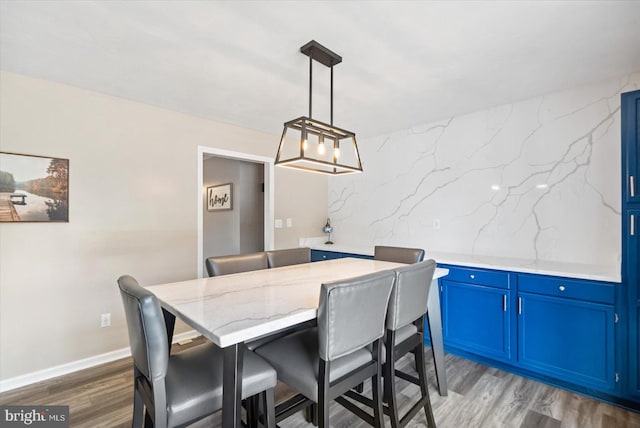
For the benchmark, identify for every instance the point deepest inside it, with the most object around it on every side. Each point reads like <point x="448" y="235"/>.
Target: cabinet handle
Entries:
<point x="632" y="187"/>
<point x="561" y="288"/>
<point x="472" y="276"/>
<point x="504" y="303"/>
<point x="632" y="226"/>
<point x="519" y="305"/>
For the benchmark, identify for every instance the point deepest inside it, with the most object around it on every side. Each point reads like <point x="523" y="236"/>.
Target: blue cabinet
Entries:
<point x="475" y="319"/>
<point x="566" y="329"/>
<point x="631" y="147"/>
<point x="476" y="312"/>
<point x="631" y="275"/>
<point x="567" y="339"/>
<point x="558" y="328"/>
<point x="630" y="115"/>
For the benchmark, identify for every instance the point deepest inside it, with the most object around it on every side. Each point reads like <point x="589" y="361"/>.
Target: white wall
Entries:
<point x="133" y="209"/>
<point x="482" y="177"/>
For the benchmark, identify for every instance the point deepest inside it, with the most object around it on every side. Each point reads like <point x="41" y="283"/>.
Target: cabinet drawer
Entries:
<point x="580" y="289"/>
<point x="490" y="278"/>
<point x="319" y="255"/>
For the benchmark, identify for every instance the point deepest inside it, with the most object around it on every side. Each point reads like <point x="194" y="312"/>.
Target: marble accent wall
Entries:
<point x="537" y="179"/>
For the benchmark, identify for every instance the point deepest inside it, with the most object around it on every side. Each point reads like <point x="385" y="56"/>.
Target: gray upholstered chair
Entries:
<point x="290" y="256"/>
<point x="324" y="362"/>
<point x="225" y="265"/>
<point x="398" y="254"/>
<point x="180" y="389"/>
<point x="405" y="330"/>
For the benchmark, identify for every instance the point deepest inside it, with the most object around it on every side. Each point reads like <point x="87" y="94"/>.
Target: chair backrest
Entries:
<point x="352" y="312"/>
<point x="410" y="294"/>
<point x="147" y="331"/>
<point x="226" y="265"/>
<point x="290" y="256"/>
<point x="398" y="254"/>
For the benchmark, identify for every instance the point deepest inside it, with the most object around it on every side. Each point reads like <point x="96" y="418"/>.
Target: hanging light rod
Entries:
<point x="297" y="151"/>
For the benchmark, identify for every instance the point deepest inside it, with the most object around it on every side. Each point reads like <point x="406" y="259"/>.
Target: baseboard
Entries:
<point x="74" y="366"/>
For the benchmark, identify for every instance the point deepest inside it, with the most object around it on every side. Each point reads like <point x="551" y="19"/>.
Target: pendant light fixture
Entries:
<point x="315" y="146"/>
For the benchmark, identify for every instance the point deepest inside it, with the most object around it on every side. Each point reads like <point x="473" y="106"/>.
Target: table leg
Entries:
<point x="435" y="332"/>
<point x="169" y="323"/>
<point x="232" y="386"/>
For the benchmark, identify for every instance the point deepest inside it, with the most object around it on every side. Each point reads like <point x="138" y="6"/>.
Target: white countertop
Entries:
<point x="235" y="308"/>
<point x="541" y="267"/>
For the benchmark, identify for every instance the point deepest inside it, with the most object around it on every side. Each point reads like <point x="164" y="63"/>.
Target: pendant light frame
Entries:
<point x="325" y="132"/>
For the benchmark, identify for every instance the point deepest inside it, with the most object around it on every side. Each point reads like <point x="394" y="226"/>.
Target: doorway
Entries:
<point x="239" y="229"/>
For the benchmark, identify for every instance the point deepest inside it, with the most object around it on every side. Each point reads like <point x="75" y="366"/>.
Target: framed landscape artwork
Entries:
<point x="220" y="198"/>
<point x="33" y="188"/>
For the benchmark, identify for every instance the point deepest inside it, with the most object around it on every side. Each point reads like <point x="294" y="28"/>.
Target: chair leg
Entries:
<point x="148" y="423"/>
<point x="269" y="408"/>
<point x="378" y="414"/>
<point x="311" y="414"/>
<point x="250" y="407"/>
<point x="424" y="388"/>
<point x="390" y="390"/>
<point x="323" y="395"/>
<point x="138" y="409"/>
<point x="389" y="374"/>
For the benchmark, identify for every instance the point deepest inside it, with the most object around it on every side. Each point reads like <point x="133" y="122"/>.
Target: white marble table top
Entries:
<point x="230" y="309"/>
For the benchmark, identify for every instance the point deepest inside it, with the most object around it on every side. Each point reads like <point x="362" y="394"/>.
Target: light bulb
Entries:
<point x="305" y="144"/>
<point x="321" y="148"/>
<point x="336" y="153"/>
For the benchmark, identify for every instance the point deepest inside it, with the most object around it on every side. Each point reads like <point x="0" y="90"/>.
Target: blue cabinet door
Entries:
<point x="631" y="269"/>
<point x="567" y="339"/>
<point x="476" y="319"/>
<point x="631" y="147"/>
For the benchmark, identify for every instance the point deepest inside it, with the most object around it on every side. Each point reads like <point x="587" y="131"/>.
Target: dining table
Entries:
<point x="231" y="310"/>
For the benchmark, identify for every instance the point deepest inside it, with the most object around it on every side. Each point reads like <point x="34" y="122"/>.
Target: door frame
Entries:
<point x="269" y="197"/>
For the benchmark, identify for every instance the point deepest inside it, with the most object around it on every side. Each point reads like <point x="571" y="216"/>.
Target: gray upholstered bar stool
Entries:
<point x="324" y="362"/>
<point x="405" y="325"/>
<point x="226" y="265"/>
<point x="398" y="254"/>
<point x="434" y="319"/>
<point x="405" y="330"/>
<point x="289" y="256"/>
<point x="180" y="389"/>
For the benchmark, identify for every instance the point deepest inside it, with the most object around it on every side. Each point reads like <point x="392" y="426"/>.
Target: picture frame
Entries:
<point x="33" y="188"/>
<point x="220" y="197"/>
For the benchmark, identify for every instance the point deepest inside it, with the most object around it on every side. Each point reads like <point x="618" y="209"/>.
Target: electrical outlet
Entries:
<point x="278" y="223"/>
<point x="105" y="320"/>
<point x="436" y="224"/>
<point x="289" y="222"/>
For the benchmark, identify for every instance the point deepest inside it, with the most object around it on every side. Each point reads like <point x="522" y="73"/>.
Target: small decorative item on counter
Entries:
<point x="328" y="229"/>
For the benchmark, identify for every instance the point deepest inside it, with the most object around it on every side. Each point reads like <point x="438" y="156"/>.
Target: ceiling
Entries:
<point x="404" y="63"/>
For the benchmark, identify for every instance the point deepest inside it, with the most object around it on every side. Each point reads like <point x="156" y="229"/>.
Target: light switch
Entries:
<point x="289" y="222"/>
<point x="278" y="223"/>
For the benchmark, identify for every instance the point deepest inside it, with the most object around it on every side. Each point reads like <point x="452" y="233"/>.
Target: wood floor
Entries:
<point x="479" y="396"/>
